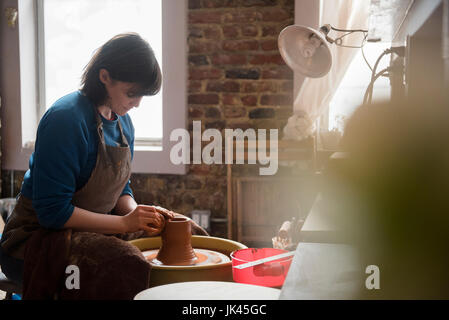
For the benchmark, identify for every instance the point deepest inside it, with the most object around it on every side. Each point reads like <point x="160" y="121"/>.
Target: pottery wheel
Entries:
<point x="205" y="257"/>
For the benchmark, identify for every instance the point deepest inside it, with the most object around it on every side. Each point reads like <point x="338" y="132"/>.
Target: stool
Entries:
<point x="9" y="286"/>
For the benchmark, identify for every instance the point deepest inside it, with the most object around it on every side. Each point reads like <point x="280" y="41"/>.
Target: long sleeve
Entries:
<point x="61" y="151"/>
<point x="127" y="190"/>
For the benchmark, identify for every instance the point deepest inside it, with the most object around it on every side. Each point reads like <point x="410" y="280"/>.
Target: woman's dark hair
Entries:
<point x="128" y="58"/>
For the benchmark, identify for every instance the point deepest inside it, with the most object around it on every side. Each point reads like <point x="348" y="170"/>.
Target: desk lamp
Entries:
<point x="307" y="51"/>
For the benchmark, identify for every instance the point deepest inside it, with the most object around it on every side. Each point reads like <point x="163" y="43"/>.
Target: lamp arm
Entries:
<point x="326" y="28"/>
<point x="344" y="30"/>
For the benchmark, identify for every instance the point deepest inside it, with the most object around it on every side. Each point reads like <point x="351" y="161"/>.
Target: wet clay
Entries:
<point x="205" y="257"/>
<point x="176" y="248"/>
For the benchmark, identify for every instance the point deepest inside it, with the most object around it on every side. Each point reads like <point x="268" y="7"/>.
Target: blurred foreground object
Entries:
<point x="390" y="196"/>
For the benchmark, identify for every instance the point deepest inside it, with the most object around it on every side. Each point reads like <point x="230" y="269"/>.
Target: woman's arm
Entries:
<point x="140" y="218"/>
<point x="84" y="220"/>
<point x="125" y="204"/>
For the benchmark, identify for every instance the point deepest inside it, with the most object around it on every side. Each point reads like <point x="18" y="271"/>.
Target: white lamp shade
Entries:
<point x="305" y="50"/>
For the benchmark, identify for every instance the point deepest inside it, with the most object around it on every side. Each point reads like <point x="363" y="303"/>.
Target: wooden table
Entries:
<point x="208" y="290"/>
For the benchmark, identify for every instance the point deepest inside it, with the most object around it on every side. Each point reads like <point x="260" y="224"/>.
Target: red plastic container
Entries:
<point x="268" y="274"/>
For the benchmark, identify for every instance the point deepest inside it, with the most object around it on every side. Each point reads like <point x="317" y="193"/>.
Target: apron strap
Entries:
<point x="101" y="143"/>
<point x="124" y="140"/>
<point x="100" y="130"/>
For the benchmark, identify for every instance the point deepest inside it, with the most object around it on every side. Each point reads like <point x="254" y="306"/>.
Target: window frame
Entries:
<point x="19" y="131"/>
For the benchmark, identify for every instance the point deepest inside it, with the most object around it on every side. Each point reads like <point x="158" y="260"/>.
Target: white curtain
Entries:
<point x="315" y="94"/>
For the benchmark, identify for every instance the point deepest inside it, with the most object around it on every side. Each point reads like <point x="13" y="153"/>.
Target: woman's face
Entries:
<point x="122" y="96"/>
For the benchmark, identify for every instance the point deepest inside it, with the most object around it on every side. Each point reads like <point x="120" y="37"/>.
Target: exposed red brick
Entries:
<point x="143" y="197"/>
<point x="231" y="86"/>
<point x="216" y="183"/>
<point x="233" y="59"/>
<point x="201" y="74"/>
<point x="242" y="16"/>
<point x="268" y="31"/>
<point x="194" y="4"/>
<point x="265" y="124"/>
<point x="250" y="30"/>
<point x="275" y="14"/>
<point x="234" y="112"/>
<point x="287" y="86"/>
<point x="259" y="86"/>
<point x="259" y="113"/>
<point x="239" y="125"/>
<point x="230" y="99"/>
<point x="195" y="32"/>
<point x="195" y="112"/>
<point x="219" y="3"/>
<point x="262" y="3"/>
<point x="240" y="45"/>
<point x="281" y="72"/>
<point x="266" y="59"/>
<point x="243" y="73"/>
<point x="195" y="86"/>
<point x="212" y="112"/>
<point x="198" y="60"/>
<point x="174" y="200"/>
<point x="217" y="124"/>
<point x="199" y="169"/>
<point x="138" y="182"/>
<point x="226" y="86"/>
<point x="203" y="98"/>
<point x="204" y="17"/>
<point x="230" y="31"/>
<point x="269" y="45"/>
<point x="196" y="46"/>
<point x="249" y="100"/>
<point x="188" y="198"/>
<point x="212" y="33"/>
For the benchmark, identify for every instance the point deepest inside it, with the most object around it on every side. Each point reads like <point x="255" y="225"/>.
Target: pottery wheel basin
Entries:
<point x="165" y="274"/>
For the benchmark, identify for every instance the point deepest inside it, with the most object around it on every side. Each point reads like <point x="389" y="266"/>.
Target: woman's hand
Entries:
<point x="146" y="218"/>
<point x="196" y="229"/>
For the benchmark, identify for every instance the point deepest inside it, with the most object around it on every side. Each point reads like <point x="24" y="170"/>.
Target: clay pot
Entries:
<point x="176" y="248"/>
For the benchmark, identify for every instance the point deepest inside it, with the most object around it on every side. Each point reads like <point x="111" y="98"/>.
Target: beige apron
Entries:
<point x="100" y="194"/>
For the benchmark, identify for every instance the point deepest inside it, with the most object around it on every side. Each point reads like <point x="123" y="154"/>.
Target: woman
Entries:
<point x="78" y="178"/>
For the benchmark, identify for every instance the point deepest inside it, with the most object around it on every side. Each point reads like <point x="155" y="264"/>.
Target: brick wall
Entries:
<point x="237" y="79"/>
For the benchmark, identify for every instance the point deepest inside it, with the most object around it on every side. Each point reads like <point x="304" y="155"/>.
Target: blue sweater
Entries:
<point x="65" y="155"/>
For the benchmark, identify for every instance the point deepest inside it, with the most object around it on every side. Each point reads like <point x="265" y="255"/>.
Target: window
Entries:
<point x="349" y="94"/>
<point x="28" y="89"/>
<point x="70" y="32"/>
